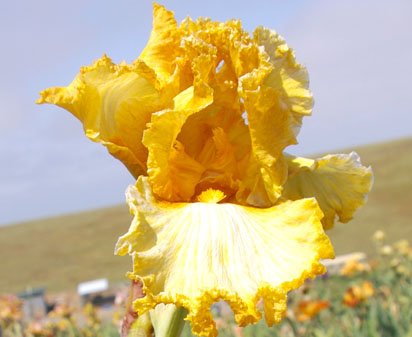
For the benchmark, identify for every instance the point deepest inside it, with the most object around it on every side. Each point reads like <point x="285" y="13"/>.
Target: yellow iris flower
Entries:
<point x="201" y="119"/>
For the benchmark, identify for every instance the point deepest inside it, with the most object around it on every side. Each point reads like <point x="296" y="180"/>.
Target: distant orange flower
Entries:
<point x="307" y="310"/>
<point x="358" y="294"/>
<point x="354" y="266"/>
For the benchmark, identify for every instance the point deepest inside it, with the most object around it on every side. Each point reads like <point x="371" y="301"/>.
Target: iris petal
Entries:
<point x="114" y="103"/>
<point x="172" y="173"/>
<point x="339" y="183"/>
<point x="288" y="78"/>
<point x="276" y="98"/>
<point x="163" y="46"/>
<point x="203" y="252"/>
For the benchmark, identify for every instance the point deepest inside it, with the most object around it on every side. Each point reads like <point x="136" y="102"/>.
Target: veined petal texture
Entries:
<point x="194" y="254"/>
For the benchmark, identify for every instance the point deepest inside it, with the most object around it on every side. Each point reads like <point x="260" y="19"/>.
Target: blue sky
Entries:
<point x="358" y="55"/>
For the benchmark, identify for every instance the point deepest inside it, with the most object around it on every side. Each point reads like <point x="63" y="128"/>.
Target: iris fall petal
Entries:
<point x="194" y="254"/>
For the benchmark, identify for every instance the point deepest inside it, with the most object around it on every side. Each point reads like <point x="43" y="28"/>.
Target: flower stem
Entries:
<point x="168" y="320"/>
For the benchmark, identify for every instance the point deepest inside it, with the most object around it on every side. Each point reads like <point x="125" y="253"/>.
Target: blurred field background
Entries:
<point x="368" y="298"/>
<point x="59" y="252"/>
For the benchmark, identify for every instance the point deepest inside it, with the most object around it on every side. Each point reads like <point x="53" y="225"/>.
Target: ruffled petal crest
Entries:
<point x="258" y="75"/>
<point x="163" y="47"/>
<point x="203" y="76"/>
<point x="339" y="183"/>
<point x="114" y="103"/>
<point x="194" y="254"/>
<point x="288" y="78"/>
<point x="276" y="98"/>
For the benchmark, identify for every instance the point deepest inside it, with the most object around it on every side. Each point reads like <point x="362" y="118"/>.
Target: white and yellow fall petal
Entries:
<point x="340" y="184"/>
<point x="114" y="103"/>
<point x="205" y="252"/>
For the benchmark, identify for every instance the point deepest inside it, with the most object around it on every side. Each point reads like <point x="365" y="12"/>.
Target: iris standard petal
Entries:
<point x="163" y="47"/>
<point x="276" y="98"/>
<point x="172" y="173"/>
<point x="340" y="184"/>
<point x="114" y="103"/>
<point x="257" y="76"/>
<point x="195" y="254"/>
<point x="288" y="78"/>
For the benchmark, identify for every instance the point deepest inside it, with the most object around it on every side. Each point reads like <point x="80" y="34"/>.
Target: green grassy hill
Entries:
<point x="62" y="251"/>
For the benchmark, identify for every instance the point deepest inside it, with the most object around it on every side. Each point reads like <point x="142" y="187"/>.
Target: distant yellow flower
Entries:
<point x="202" y="119"/>
<point x="308" y="309"/>
<point x="90" y="313"/>
<point x="63" y="325"/>
<point x="358" y="294"/>
<point x="386" y="250"/>
<point x="379" y="236"/>
<point x="402" y="247"/>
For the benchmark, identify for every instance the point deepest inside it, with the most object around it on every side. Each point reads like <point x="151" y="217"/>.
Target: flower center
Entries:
<point x="211" y="196"/>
